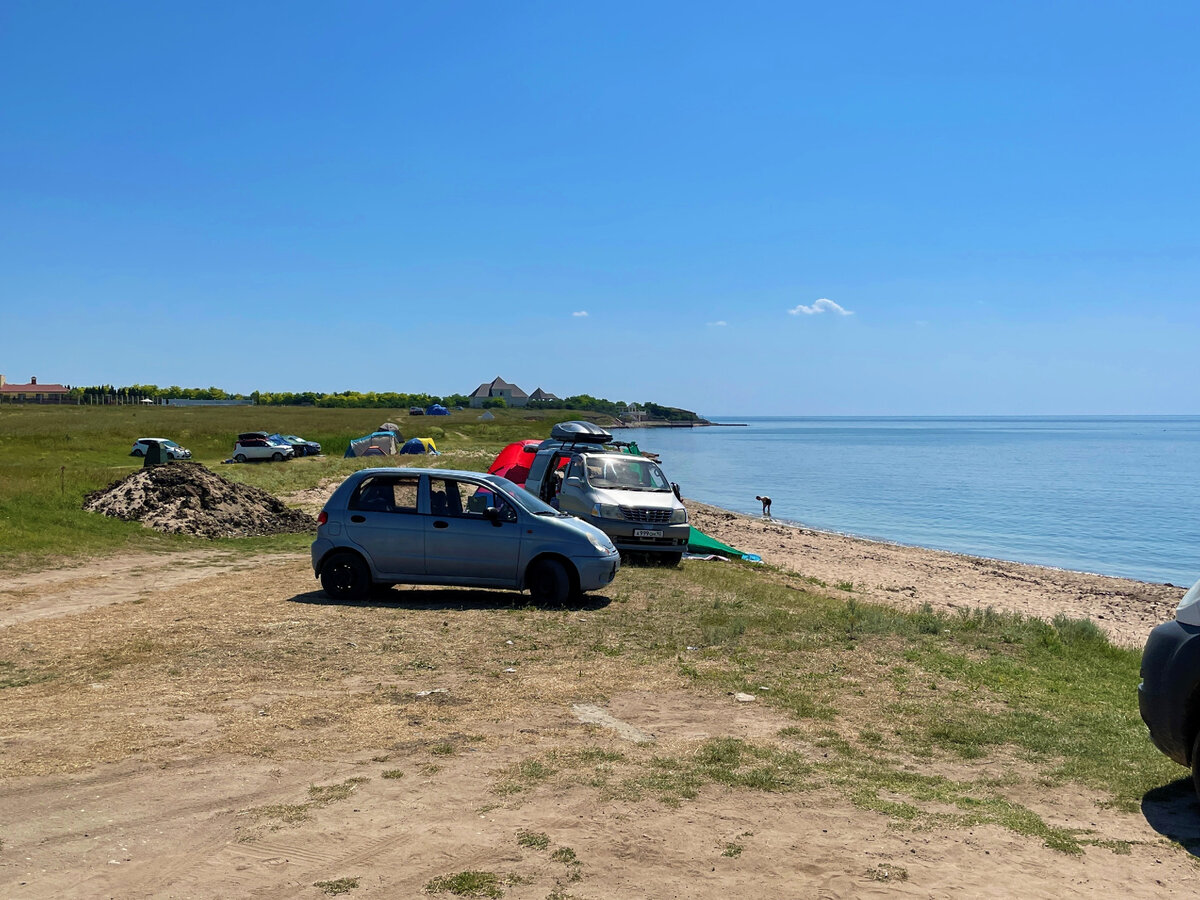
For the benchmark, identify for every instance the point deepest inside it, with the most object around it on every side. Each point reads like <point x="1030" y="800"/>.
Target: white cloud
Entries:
<point x="720" y="323"/>
<point x="820" y="306"/>
<point x="582" y="314"/>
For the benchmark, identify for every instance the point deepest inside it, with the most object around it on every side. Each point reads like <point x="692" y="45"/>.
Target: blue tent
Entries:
<point x="437" y="410"/>
<point x="413" y="445"/>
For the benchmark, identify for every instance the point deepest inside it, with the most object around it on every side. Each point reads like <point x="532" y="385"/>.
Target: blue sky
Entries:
<point x="998" y="201"/>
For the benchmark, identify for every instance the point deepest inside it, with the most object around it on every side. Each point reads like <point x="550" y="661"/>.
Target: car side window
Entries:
<point x="476" y="498"/>
<point x="397" y="494"/>
<point x="575" y="470"/>
<point x="445" y="498"/>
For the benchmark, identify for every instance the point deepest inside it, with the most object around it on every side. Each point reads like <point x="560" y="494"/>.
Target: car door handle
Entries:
<point x="358" y="518"/>
<point x="440" y="524"/>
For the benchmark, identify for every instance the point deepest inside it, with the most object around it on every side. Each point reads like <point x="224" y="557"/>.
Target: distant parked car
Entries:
<point x="1169" y="695"/>
<point x="299" y="446"/>
<point x="249" y="447"/>
<point x="438" y="526"/>
<point x="141" y="445"/>
<point x="416" y="411"/>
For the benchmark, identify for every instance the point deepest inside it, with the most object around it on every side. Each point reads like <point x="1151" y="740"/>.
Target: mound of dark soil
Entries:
<point x="187" y="498"/>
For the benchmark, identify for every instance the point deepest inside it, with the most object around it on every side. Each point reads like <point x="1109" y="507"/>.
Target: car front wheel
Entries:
<point x="277" y="457"/>
<point x="549" y="582"/>
<point x="345" y="576"/>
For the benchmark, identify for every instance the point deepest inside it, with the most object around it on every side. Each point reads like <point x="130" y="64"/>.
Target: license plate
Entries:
<point x="646" y="532"/>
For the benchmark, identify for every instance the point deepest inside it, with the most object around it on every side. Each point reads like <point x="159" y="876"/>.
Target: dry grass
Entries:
<point x="855" y="699"/>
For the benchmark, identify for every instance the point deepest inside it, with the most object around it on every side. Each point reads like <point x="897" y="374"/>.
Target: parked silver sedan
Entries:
<point x="437" y="526"/>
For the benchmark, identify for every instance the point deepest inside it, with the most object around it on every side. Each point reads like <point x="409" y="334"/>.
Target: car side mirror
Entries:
<point x="574" y="481"/>
<point x="675" y="491"/>
<point x="492" y="514"/>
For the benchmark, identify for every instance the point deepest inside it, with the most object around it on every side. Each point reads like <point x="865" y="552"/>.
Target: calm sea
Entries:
<point x="1115" y="495"/>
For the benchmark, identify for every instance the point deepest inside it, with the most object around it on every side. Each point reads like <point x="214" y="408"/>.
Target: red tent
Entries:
<point x="513" y="462"/>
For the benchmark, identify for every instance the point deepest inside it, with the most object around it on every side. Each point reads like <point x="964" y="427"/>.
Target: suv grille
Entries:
<point x="650" y="516"/>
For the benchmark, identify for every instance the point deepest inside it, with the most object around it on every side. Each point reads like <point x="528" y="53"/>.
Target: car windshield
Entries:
<point x="632" y="474"/>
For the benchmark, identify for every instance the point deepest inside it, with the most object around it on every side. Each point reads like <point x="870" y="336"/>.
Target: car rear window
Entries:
<point x="387" y="493"/>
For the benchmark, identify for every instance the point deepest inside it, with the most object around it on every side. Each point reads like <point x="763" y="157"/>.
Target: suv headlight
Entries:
<point x="678" y="516"/>
<point x="606" y="511"/>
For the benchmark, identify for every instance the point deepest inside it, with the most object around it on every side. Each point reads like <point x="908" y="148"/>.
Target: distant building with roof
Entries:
<point x="33" y="392"/>
<point x="498" y="389"/>
<point x="539" y="394"/>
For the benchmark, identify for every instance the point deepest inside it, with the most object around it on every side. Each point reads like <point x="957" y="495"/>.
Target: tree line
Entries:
<point x="371" y="399"/>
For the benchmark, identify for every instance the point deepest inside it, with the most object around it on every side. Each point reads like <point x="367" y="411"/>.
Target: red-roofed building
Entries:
<point x="33" y="392"/>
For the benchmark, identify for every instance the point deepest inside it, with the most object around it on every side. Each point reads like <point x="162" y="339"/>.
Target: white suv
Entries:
<point x="260" y="448"/>
<point x="173" y="449"/>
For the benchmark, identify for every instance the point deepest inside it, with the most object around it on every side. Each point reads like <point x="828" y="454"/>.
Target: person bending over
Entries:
<point x="766" y="502"/>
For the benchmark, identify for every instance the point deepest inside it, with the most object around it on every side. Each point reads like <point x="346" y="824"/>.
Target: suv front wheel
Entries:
<point x="344" y="576"/>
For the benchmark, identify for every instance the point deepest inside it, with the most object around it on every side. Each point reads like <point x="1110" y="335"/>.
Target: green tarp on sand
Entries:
<point x="699" y="542"/>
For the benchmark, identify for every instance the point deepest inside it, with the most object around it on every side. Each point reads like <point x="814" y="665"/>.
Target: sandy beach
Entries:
<point x="912" y="576"/>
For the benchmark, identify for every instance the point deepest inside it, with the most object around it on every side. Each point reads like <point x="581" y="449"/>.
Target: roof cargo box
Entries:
<point x="579" y="433"/>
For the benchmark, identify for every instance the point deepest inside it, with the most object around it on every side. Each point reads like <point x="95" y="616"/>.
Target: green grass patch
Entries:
<point x="339" y="886"/>
<point x="535" y="840"/>
<point x="319" y="795"/>
<point x="467" y="884"/>
<point x="12" y="675"/>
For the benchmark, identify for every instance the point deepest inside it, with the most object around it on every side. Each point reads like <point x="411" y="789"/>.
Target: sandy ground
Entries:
<point x="912" y="576"/>
<point x="176" y="786"/>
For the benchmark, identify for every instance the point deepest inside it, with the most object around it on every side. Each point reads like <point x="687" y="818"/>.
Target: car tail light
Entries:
<point x="322" y="518"/>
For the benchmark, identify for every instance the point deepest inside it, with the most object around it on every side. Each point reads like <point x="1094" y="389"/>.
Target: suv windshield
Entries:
<point x="632" y="474"/>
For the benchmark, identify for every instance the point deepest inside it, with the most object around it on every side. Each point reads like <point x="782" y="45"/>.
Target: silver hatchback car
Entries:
<point x="436" y="526"/>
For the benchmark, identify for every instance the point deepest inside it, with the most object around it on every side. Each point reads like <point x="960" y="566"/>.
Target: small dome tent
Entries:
<point x="419" y="445"/>
<point x="380" y="443"/>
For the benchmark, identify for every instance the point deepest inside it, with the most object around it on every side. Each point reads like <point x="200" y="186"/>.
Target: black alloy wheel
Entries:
<point x="344" y="576"/>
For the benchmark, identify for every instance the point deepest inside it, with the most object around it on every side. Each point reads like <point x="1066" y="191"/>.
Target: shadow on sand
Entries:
<point x="401" y="597"/>
<point x="1174" y="812"/>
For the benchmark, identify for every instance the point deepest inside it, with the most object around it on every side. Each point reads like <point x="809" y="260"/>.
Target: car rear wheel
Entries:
<point x="241" y="457"/>
<point x="344" y="576"/>
<point x="137" y="451"/>
<point x="549" y="582"/>
<point x="277" y="456"/>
